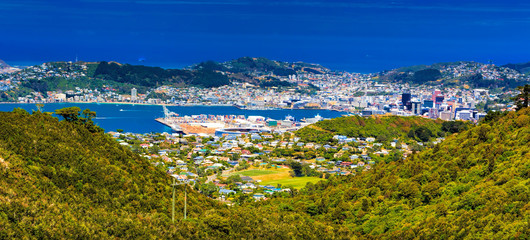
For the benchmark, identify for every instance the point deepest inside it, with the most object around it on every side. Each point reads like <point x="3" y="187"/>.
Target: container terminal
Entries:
<point x="220" y="125"/>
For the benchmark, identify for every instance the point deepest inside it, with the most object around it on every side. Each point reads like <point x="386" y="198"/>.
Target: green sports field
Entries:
<point x="297" y="182"/>
<point x="276" y="176"/>
<point x="254" y="172"/>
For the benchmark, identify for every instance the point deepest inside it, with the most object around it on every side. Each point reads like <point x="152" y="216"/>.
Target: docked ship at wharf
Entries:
<point x="221" y="125"/>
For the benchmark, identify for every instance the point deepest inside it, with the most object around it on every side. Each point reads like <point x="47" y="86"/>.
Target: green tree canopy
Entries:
<point x="74" y="115"/>
<point x="523" y="98"/>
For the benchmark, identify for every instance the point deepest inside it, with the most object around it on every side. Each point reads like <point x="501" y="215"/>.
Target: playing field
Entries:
<point x="297" y="182"/>
<point x="277" y="176"/>
<point x="254" y="172"/>
<point x="264" y="174"/>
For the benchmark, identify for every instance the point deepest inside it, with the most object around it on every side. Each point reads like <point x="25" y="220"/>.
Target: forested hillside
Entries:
<point x="384" y="128"/>
<point x="59" y="179"/>
<point x="473" y="185"/>
<point x="123" y="77"/>
<point x="520" y="67"/>
<point x="458" y="74"/>
<point x="156" y="76"/>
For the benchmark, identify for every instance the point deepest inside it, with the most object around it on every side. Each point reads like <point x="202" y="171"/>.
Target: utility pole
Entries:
<point x="173" y="212"/>
<point x="185" y="199"/>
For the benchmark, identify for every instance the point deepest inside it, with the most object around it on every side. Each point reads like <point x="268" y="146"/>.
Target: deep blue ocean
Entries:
<point x="357" y="36"/>
<point x="141" y="118"/>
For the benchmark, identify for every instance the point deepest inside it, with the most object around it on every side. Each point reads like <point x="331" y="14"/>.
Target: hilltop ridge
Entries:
<point x="520" y="67"/>
<point x="5" y="68"/>
<point x="462" y="73"/>
<point x="3" y="64"/>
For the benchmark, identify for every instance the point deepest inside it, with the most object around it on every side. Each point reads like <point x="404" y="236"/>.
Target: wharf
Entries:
<point x="173" y="126"/>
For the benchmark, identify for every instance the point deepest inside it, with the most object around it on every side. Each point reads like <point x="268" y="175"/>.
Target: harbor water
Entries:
<point x="141" y="118"/>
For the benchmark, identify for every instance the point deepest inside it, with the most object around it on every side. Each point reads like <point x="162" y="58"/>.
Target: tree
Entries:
<point x="20" y="111"/>
<point x="426" y="75"/>
<point x="493" y="116"/>
<point x="523" y="98"/>
<point x="39" y="107"/>
<point x="88" y="115"/>
<point x="423" y="133"/>
<point x="209" y="189"/>
<point x="454" y="126"/>
<point x="154" y="149"/>
<point x="296" y="166"/>
<point x="382" y="138"/>
<point x="70" y="114"/>
<point x="234" y="178"/>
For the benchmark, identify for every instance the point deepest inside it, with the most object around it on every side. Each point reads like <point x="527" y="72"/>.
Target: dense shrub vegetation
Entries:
<point x="60" y="180"/>
<point x="156" y="76"/>
<point x="386" y="127"/>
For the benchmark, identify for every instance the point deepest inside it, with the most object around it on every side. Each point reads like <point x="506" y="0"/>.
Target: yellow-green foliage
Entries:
<point x="385" y="127"/>
<point x="473" y="185"/>
<point x="58" y="179"/>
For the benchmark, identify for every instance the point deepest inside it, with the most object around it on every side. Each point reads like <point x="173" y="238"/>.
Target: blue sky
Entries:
<point x="361" y="36"/>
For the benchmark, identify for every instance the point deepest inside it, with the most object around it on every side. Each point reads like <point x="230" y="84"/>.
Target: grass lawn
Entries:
<point x="254" y="172"/>
<point x="297" y="182"/>
<point x="264" y="174"/>
<point x="275" y="176"/>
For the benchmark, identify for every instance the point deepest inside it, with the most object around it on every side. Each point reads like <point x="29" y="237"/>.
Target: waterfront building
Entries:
<point x="134" y="94"/>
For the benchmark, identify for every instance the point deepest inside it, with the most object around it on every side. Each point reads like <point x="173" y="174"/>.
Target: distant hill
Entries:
<point x="246" y="69"/>
<point x="258" y="71"/>
<point x="251" y="65"/>
<point x="451" y="74"/>
<point x="5" y="68"/>
<point x="156" y="76"/>
<point x="262" y="65"/>
<point x="520" y="67"/>
<point x="261" y="72"/>
<point x="207" y="74"/>
<point x="3" y="65"/>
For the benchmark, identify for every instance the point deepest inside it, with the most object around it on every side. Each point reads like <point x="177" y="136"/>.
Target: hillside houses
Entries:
<point x="201" y="158"/>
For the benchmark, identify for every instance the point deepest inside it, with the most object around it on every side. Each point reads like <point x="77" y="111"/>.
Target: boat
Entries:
<point x="289" y="118"/>
<point x="315" y="119"/>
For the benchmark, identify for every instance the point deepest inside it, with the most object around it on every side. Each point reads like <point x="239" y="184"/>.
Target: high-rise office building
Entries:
<point x="134" y="94"/>
<point x="416" y="107"/>
<point x="405" y="100"/>
<point x="439" y="99"/>
<point x="436" y="93"/>
<point x="428" y="104"/>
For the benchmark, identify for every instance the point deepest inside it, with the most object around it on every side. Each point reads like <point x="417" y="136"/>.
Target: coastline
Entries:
<point x="171" y="105"/>
<point x="141" y="118"/>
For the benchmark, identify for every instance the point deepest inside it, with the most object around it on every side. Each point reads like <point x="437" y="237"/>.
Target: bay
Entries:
<point x="138" y="118"/>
